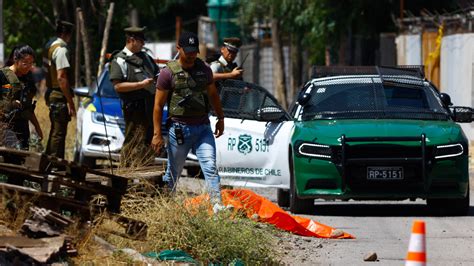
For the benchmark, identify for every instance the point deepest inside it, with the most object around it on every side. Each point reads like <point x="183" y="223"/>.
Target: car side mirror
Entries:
<point x="82" y="91"/>
<point x="462" y="114"/>
<point x="270" y="114"/>
<point x="303" y="99"/>
<point x="446" y="99"/>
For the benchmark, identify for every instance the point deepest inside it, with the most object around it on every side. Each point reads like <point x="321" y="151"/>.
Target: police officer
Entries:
<point x="225" y="67"/>
<point x="59" y="96"/>
<point x="133" y="73"/>
<point x="16" y="97"/>
<point x="187" y="86"/>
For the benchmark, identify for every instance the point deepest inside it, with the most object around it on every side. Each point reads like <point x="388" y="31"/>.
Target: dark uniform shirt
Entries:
<point x="24" y="96"/>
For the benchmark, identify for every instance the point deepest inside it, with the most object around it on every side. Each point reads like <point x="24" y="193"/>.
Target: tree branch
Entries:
<point x="53" y="26"/>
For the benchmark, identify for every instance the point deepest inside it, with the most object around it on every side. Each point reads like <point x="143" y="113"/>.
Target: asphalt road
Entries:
<point x="383" y="227"/>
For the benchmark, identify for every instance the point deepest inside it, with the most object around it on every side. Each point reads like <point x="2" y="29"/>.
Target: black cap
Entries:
<point x="189" y="42"/>
<point x="63" y="26"/>
<point x="64" y="23"/>
<point x="232" y="43"/>
<point x="135" y="32"/>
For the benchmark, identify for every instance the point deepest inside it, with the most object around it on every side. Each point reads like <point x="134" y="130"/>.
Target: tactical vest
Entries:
<point x="138" y="69"/>
<point x="50" y="67"/>
<point x="189" y="97"/>
<point x="229" y="67"/>
<point x="15" y="90"/>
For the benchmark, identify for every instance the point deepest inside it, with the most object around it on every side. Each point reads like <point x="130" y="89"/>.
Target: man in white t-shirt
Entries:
<point x="59" y="96"/>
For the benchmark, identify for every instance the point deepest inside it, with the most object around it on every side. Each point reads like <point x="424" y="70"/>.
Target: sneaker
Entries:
<point x="219" y="207"/>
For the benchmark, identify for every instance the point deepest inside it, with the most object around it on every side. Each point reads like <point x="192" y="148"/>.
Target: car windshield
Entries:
<point x="106" y="86"/>
<point x="367" y="98"/>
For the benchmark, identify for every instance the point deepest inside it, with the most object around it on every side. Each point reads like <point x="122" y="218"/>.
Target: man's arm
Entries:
<point x="63" y="82"/>
<point x="216" y="104"/>
<point x="60" y="57"/>
<point x="161" y="96"/>
<point x="131" y="86"/>
<point x="117" y="76"/>
<point x="236" y="73"/>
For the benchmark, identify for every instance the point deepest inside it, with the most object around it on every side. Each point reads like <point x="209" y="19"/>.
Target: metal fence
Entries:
<point x="258" y="65"/>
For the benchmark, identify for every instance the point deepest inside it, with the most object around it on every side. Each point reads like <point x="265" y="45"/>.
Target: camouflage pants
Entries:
<point x="59" y="117"/>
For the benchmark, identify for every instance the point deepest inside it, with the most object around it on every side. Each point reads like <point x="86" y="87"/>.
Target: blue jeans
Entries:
<point x="200" y="139"/>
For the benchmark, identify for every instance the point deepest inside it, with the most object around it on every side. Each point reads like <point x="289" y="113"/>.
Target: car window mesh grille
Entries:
<point x="365" y="97"/>
<point x="243" y="100"/>
<point x="341" y="97"/>
<point x="328" y="71"/>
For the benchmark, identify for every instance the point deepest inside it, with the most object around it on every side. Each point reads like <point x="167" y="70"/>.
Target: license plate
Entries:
<point x="384" y="173"/>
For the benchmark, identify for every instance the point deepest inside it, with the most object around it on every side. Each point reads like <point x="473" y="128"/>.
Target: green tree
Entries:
<point x="27" y="21"/>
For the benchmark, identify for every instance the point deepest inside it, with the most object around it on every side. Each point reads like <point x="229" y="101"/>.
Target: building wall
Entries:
<point x="408" y="49"/>
<point x="457" y="72"/>
<point x="262" y="74"/>
<point x="431" y="64"/>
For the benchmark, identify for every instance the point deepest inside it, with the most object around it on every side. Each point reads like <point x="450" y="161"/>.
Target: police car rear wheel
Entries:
<point x="456" y="207"/>
<point x="283" y="198"/>
<point x="87" y="161"/>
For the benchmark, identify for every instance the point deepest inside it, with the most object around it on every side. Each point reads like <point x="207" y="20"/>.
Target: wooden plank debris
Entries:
<point x="25" y="166"/>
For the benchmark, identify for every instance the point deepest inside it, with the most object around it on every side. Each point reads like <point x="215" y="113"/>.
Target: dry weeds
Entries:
<point x="206" y="237"/>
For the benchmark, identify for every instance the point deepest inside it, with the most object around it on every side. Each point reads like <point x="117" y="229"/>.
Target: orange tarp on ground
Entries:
<point x="253" y="204"/>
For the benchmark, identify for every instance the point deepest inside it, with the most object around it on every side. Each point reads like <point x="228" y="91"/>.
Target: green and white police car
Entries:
<point x="353" y="133"/>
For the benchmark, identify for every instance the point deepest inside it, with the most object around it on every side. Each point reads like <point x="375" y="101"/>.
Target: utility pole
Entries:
<point x="402" y="8"/>
<point x="1" y="34"/>
<point x="178" y="28"/>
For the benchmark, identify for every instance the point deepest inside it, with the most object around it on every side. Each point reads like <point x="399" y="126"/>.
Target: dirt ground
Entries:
<point x="382" y="227"/>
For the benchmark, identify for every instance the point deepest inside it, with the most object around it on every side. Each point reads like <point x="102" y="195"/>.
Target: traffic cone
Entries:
<point x="417" y="248"/>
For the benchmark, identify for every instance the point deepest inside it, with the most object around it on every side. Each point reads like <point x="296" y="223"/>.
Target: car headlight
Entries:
<point x="450" y="150"/>
<point x="100" y="118"/>
<point x="315" y="150"/>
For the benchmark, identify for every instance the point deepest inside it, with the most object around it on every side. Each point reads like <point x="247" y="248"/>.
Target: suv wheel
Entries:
<point x="456" y="207"/>
<point x="80" y="158"/>
<point x="298" y="205"/>
<point x="283" y="198"/>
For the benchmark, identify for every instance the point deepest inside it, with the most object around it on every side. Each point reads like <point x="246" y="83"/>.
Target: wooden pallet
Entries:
<point x="67" y="188"/>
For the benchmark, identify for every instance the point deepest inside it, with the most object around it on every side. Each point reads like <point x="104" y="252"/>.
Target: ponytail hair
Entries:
<point x="19" y="52"/>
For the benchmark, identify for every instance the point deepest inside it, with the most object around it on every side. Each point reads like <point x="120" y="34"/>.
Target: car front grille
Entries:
<point x="359" y="157"/>
<point x="380" y="151"/>
<point x="356" y="178"/>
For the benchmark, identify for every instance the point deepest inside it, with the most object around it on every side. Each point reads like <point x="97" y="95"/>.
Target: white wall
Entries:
<point x="408" y="49"/>
<point x="162" y="50"/>
<point x="457" y="72"/>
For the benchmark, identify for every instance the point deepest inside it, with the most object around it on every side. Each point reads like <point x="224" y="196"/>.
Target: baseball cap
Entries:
<point x="189" y="42"/>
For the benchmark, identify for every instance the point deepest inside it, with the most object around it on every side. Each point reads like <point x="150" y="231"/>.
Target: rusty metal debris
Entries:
<point x="45" y="223"/>
<point x="18" y="249"/>
<point x="52" y="187"/>
<point x="60" y="186"/>
<point x="133" y="228"/>
<point x="66" y="190"/>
